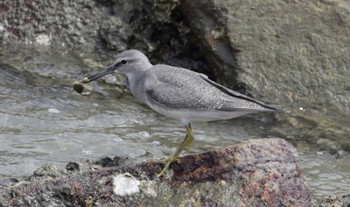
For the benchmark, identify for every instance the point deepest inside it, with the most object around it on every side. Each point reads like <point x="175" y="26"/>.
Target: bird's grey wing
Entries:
<point x="178" y="89"/>
<point x="246" y="101"/>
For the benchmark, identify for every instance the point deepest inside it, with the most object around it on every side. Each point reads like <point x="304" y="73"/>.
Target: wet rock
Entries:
<point x="73" y="166"/>
<point x="262" y="172"/>
<point x="109" y="162"/>
<point x="335" y="201"/>
<point x="47" y="171"/>
<point x="8" y="182"/>
<point x="50" y="171"/>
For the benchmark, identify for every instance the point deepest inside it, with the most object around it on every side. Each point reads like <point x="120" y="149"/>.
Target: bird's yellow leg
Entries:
<point x="187" y="141"/>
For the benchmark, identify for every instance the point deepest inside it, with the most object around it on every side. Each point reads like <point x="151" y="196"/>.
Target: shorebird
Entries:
<point x="180" y="93"/>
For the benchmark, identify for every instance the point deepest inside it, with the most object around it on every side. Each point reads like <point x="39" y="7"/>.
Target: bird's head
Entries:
<point x="127" y="63"/>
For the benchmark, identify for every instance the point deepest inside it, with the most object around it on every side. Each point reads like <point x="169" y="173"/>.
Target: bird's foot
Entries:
<point x="167" y="162"/>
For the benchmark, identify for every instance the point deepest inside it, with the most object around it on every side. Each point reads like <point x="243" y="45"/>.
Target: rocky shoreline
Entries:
<point x="260" y="172"/>
<point x="292" y="52"/>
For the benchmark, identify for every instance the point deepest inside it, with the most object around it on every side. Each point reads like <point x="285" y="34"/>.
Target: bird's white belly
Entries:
<point x="201" y="116"/>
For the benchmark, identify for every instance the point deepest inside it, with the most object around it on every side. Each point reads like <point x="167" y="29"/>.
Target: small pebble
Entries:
<point x="81" y="88"/>
<point x="78" y="87"/>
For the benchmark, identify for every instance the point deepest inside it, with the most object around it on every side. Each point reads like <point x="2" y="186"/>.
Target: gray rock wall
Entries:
<point x="295" y="52"/>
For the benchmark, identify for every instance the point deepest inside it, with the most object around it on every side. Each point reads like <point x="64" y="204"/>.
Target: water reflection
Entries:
<point x="325" y="174"/>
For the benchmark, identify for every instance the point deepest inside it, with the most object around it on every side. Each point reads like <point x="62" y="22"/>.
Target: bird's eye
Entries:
<point x="124" y="61"/>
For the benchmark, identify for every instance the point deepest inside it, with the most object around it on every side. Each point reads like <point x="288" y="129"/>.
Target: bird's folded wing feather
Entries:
<point x="173" y="94"/>
<point x="242" y="96"/>
<point x="186" y="90"/>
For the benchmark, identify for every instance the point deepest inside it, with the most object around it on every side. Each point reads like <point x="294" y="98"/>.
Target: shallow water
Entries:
<point x="44" y="121"/>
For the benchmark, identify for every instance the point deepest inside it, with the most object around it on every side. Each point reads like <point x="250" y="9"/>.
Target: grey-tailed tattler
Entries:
<point x="180" y="93"/>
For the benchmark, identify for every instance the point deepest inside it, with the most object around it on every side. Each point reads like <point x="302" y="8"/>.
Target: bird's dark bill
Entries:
<point x="107" y="71"/>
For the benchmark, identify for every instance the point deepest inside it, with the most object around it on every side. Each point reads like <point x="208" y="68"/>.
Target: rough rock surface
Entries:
<point x="263" y="172"/>
<point x="64" y="23"/>
<point x="335" y="201"/>
<point x="291" y="51"/>
<point x="155" y="27"/>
